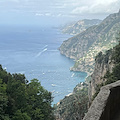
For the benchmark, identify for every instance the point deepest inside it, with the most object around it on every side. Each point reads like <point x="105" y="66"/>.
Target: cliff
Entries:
<point x="74" y="105"/>
<point x="86" y="45"/>
<point x="103" y="63"/>
<point x="103" y="85"/>
<point x="80" y="26"/>
<point x="78" y="45"/>
<point x="106" y="70"/>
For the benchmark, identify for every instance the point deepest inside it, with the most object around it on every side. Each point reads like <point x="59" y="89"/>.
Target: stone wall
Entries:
<point x="106" y="105"/>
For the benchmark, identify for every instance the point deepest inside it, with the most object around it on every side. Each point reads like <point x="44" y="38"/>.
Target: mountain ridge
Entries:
<point x="86" y="45"/>
<point x="80" y="26"/>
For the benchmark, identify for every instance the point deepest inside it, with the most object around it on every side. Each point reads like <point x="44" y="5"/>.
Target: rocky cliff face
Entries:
<point x="78" y="45"/>
<point x="74" y="105"/>
<point x="86" y="45"/>
<point x="80" y="26"/>
<point x="103" y="63"/>
<point x="106" y="71"/>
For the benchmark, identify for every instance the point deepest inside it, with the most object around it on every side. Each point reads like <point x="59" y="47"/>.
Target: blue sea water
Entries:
<point x="33" y="51"/>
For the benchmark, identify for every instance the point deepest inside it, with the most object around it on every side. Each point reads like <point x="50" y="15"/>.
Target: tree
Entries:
<point x="21" y="116"/>
<point x="16" y="91"/>
<point x="3" y="101"/>
<point x="40" y="101"/>
<point x="20" y="100"/>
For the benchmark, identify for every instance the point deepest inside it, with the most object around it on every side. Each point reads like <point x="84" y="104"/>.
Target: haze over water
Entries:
<point x="33" y="51"/>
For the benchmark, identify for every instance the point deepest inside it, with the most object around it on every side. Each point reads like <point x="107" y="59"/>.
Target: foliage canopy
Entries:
<point x="20" y="100"/>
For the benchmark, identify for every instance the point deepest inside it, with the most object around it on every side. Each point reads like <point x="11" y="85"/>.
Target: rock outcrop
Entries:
<point x="80" y="26"/>
<point x="74" y="105"/>
<point x="78" y="45"/>
<point x="106" y="106"/>
<point x="86" y="45"/>
<point x="103" y="63"/>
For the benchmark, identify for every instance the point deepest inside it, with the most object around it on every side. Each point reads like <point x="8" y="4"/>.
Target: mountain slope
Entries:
<point x="74" y="105"/>
<point x="106" y="71"/>
<point x="86" y="45"/>
<point x="79" y="26"/>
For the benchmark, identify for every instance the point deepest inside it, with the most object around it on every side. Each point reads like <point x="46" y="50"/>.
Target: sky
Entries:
<point x="54" y="12"/>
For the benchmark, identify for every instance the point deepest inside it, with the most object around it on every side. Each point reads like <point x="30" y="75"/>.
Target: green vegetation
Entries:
<point x="20" y="100"/>
<point x="73" y="106"/>
<point x="103" y="57"/>
<point x="76" y="64"/>
<point x="80" y="26"/>
<point x="85" y="46"/>
<point x="113" y="76"/>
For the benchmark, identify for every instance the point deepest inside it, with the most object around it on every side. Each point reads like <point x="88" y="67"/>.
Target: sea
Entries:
<point x="33" y="51"/>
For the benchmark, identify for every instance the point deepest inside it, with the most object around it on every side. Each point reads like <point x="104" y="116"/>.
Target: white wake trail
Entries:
<point x="41" y="52"/>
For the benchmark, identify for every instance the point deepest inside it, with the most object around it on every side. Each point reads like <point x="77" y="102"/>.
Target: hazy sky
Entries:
<point x="54" y="11"/>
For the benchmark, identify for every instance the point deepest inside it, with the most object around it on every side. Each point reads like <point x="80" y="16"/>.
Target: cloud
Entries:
<point x="9" y="1"/>
<point x="39" y="14"/>
<point x="44" y="14"/>
<point x="98" y="7"/>
<point x="48" y="14"/>
<point x="14" y="0"/>
<point x="59" y="15"/>
<point x="61" y="8"/>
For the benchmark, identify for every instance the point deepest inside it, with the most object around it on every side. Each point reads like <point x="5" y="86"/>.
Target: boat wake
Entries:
<point x="53" y="85"/>
<point x="73" y="75"/>
<point x="41" y="52"/>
